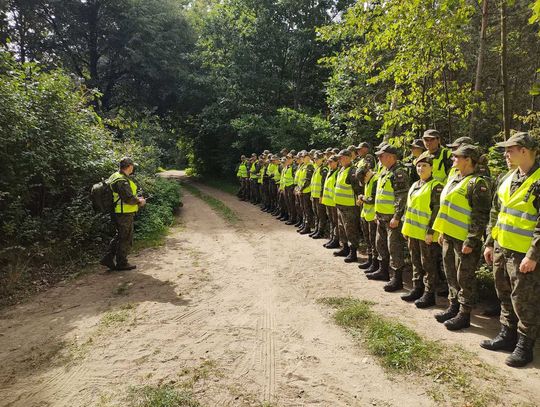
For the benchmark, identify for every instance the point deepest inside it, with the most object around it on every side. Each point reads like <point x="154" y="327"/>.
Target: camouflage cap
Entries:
<point x="522" y="139"/>
<point x="459" y="141"/>
<point x="344" y="153"/>
<point x="328" y="150"/>
<point x="425" y="157"/>
<point x="254" y="154"/>
<point x="318" y="155"/>
<point x="418" y="143"/>
<point x="126" y="162"/>
<point x="242" y="157"/>
<point x="335" y="150"/>
<point x="266" y="152"/>
<point x="387" y="148"/>
<point x="352" y="148"/>
<point x="467" y="150"/>
<point x="431" y="133"/>
<point x="292" y="152"/>
<point x="334" y="158"/>
<point x="363" y="144"/>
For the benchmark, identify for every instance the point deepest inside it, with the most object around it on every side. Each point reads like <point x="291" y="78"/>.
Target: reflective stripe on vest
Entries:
<point x="242" y="171"/>
<point x="316" y="182"/>
<point x="329" y="189"/>
<point x="439" y="170"/>
<point x="288" y="177"/>
<point x="120" y="206"/>
<point x="298" y="174"/>
<point x="252" y="173"/>
<point x="418" y="212"/>
<point x="303" y="179"/>
<point x="454" y="215"/>
<point x="384" y="197"/>
<point x="368" y="210"/>
<point x="343" y="192"/>
<point x="518" y="216"/>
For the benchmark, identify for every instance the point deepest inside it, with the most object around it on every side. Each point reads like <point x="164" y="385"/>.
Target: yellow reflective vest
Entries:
<point x="518" y="216"/>
<point x="242" y="170"/>
<point x="298" y="174"/>
<point x="316" y="182"/>
<point x="121" y="207"/>
<point x="454" y="217"/>
<point x="252" y="171"/>
<point x="368" y="210"/>
<point x="343" y="192"/>
<point x="303" y="179"/>
<point x="329" y="188"/>
<point x="418" y="212"/>
<point x="288" y="178"/>
<point x="385" y="197"/>
<point x="439" y="171"/>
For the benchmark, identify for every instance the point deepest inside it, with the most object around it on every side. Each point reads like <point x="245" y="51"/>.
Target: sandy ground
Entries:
<point x="240" y="298"/>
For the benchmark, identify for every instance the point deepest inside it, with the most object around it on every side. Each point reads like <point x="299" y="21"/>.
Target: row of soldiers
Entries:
<point x="438" y="203"/>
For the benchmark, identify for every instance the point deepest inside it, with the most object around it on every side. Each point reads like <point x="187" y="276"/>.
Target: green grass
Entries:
<point x="450" y="372"/>
<point x="223" y="210"/>
<point x="161" y="396"/>
<point x="225" y="185"/>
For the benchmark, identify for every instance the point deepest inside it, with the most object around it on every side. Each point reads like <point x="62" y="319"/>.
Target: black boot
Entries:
<point x="522" y="354"/>
<point x="460" y="321"/>
<point x="299" y="223"/>
<point x="448" y="313"/>
<point x="396" y="283"/>
<point x="344" y="252"/>
<point x="108" y="261"/>
<point x="382" y="273"/>
<point x="414" y="294"/>
<point x="506" y="339"/>
<point x="375" y="264"/>
<point x="366" y="264"/>
<point x="290" y="222"/>
<point x="333" y="244"/>
<point x="306" y="230"/>
<point x="353" y="256"/>
<point x="318" y="235"/>
<point x="315" y="231"/>
<point x="425" y="301"/>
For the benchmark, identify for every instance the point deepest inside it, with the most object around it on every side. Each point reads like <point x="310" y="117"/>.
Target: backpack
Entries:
<point x="101" y="196"/>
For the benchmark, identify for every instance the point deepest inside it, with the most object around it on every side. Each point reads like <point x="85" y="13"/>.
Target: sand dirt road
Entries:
<point x="239" y="298"/>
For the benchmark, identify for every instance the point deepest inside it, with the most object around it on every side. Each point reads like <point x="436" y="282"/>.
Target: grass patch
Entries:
<point x="223" y="210"/>
<point x="161" y="396"/>
<point x="451" y="373"/>
<point x="225" y="185"/>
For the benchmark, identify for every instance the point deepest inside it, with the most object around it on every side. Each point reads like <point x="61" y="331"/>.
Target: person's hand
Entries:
<point x="142" y="201"/>
<point x="394" y="223"/>
<point x="440" y="240"/>
<point x="488" y="255"/>
<point x="429" y="239"/>
<point x="466" y="250"/>
<point x="527" y="265"/>
<point x="359" y="200"/>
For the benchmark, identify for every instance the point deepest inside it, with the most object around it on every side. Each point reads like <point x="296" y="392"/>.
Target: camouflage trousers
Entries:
<point x="331" y="212"/>
<point x="460" y="270"/>
<point x="307" y="209"/>
<point x="424" y="259"/>
<point x="348" y="225"/>
<point x="519" y="292"/>
<point x="122" y="241"/>
<point x="321" y="219"/>
<point x="369" y="232"/>
<point x="254" y="191"/>
<point x="390" y="242"/>
<point x="244" y="188"/>
<point x="291" y="202"/>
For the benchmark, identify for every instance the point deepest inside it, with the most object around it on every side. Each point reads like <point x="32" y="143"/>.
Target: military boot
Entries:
<point x="382" y="273"/>
<point x="318" y="235"/>
<point x="366" y="264"/>
<point x="125" y="267"/>
<point x="108" y="261"/>
<point x="425" y="301"/>
<point x="506" y="339"/>
<point x="523" y="353"/>
<point x="448" y="313"/>
<point x="460" y="321"/>
<point x="375" y="264"/>
<point x="299" y="223"/>
<point x="396" y="283"/>
<point x="333" y="244"/>
<point x="344" y="252"/>
<point x="306" y="230"/>
<point x="353" y="255"/>
<point x="414" y="294"/>
<point x="315" y="231"/>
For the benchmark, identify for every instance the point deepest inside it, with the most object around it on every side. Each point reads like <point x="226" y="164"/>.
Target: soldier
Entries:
<point x="242" y="175"/>
<point x="442" y="161"/>
<point x="344" y="197"/>
<point x="457" y="143"/>
<point x="329" y="203"/>
<point x="304" y="192"/>
<point x="126" y="205"/>
<point x="253" y="177"/>
<point x="422" y="207"/>
<point x="417" y="148"/>
<point x="275" y="177"/>
<point x="513" y="247"/>
<point x="299" y="161"/>
<point x="461" y="222"/>
<point x="288" y="182"/>
<point x="364" y="157"/>
<point x="392" y="188"/>
<point x="368" y="181"/>
<point x="319" y="175"/>
<point x="282" y="198"/>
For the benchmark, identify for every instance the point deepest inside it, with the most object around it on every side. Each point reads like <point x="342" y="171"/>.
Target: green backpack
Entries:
<point x="101" y="196"/>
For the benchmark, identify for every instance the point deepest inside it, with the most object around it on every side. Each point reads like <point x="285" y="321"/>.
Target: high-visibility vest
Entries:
<point x="518" y="216"/>
<point x="120" y="206"/>
<point x="454" y="215"/>
<point x="262" y="171"/>
<point x="242" y="170"/>
<point x="252" y="173"/>
<point x="452" y="173"/>
<point x="298" y="174"/>
<point x="288" y="178"/>
<point x="303" y="179"/>
<point x="438" y="169"/>
<point x="277" y="173"/>
<point x="270" y="170"/>
<point x="344" y="194"/>
<point x="368" y="210"/>
<point x="329" y="189"/>
<point x="384" y="197"/>
<point x="316" y="182"/>
<point x="418" y="212"/>
<point x="282" y="179"/>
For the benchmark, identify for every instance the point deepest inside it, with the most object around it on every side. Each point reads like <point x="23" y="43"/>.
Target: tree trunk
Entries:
<point x="507" y="117"/>
<point x="479" y="66"/>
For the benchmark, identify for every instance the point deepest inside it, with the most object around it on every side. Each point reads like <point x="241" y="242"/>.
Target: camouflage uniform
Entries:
<point x="305" y="197"/>
<point x="348" y="225"/>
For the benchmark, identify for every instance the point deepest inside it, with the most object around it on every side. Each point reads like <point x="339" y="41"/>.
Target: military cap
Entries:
<point x="418" y="143"/>
<point x="253" y="154"/>
<point x="381" y="145"/>
<point x="459" y="141"/>
<point x="242" y="156"/>
<point x="290" y="155"/>
<point x="522" y="139"/>
<point x="352" y="148"/>
<point x="387" y="148"/>
<point x="467" y="150"/>
<point x="318" y="155"/>
<point x="345" y="153"/>
<point x="292" y="152"/>
<point x="266" y="152"/>
<point x="312" y="151"/>
<point x="335" y="150"/>
<point x="126" y="162"/>
<point x="328" y="150"/>
<point x="431" y="133"/>
<point x="334" y="158"/>
<point x="362" y="145"/>
<point x="424" y="157"/>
